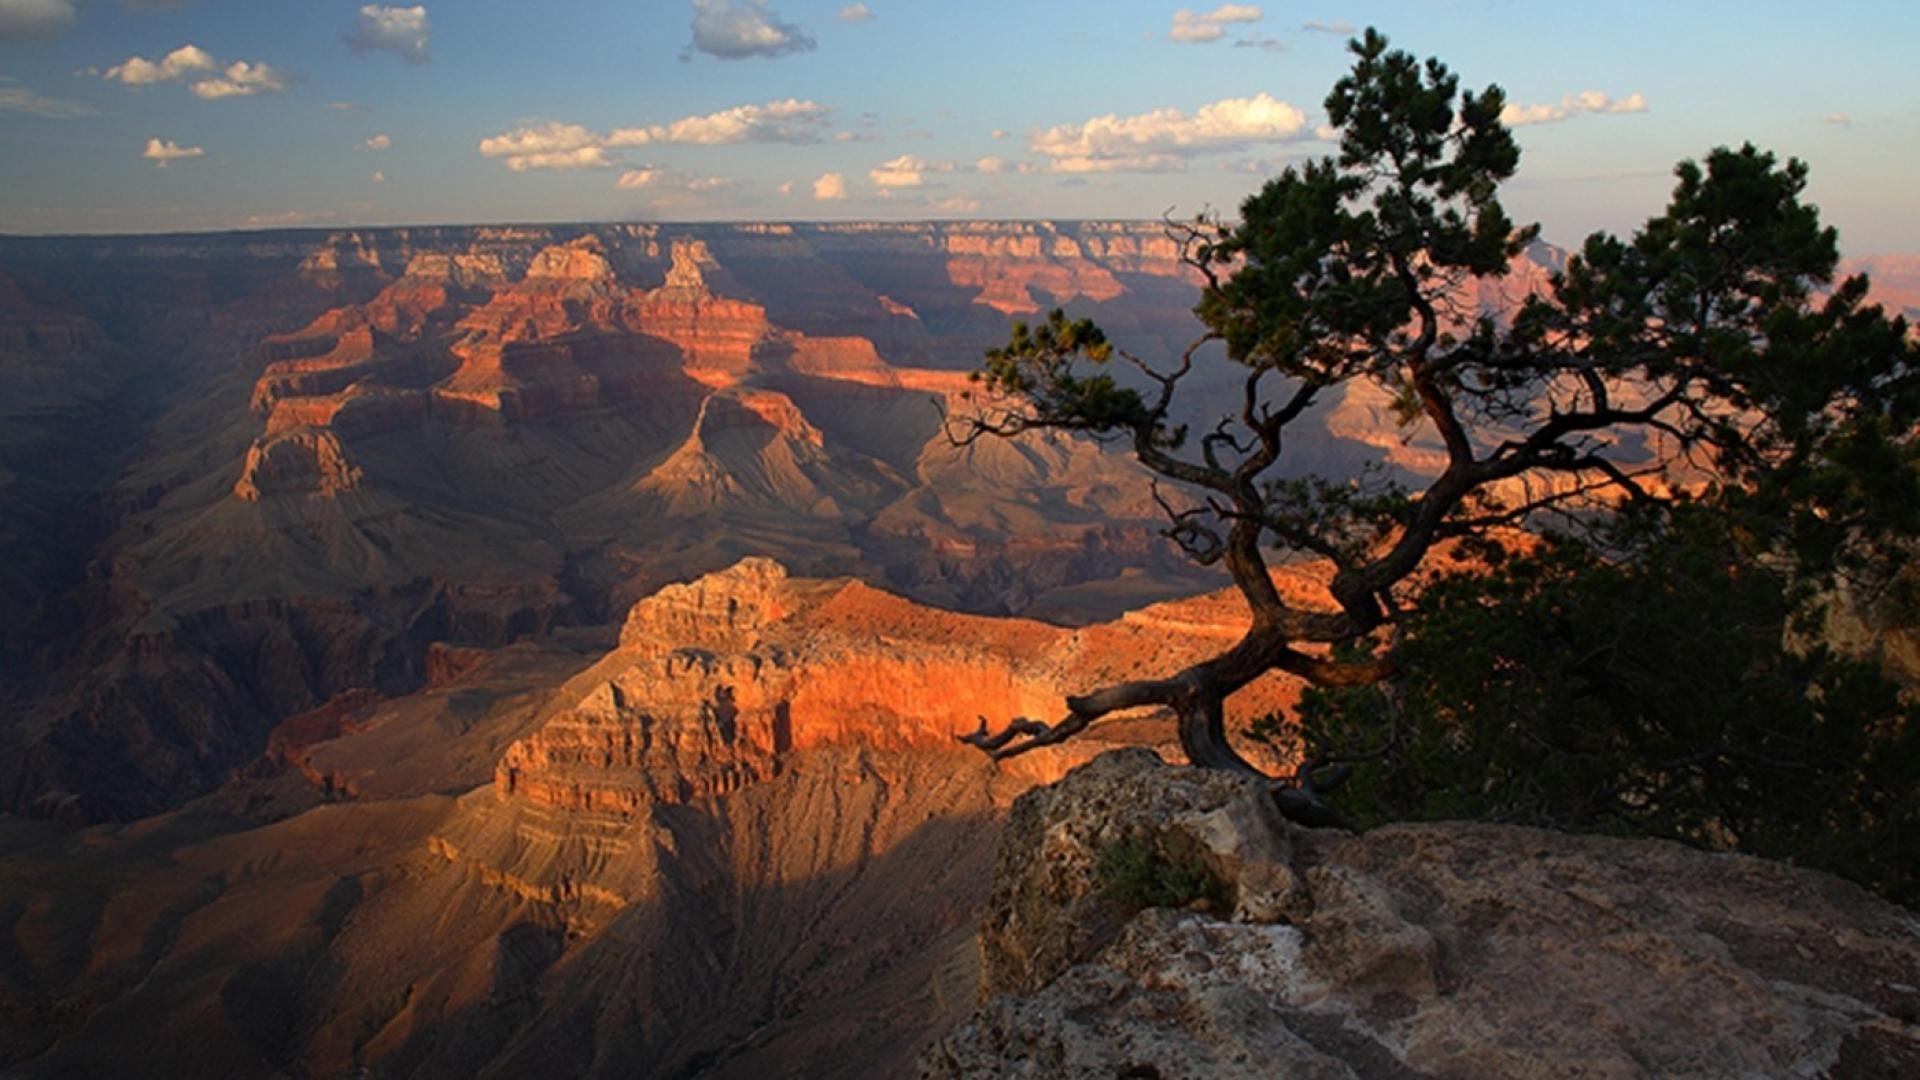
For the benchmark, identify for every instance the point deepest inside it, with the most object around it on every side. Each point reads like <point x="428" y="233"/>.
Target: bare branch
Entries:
<point x="1001" y="744"/>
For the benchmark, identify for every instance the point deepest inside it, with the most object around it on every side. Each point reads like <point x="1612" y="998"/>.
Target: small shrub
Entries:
<point x="1132" y="874"/>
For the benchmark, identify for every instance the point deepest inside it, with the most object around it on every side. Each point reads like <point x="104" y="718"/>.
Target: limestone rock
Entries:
<point x="304" y="461"/>
<point x="1445" y="950"/>
<point x="1047" y="912"/>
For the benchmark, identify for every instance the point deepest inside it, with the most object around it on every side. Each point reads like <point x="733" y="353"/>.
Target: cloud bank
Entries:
<point x="1198" y="28"/>
<point x="1584" y="103"/>
<point x="1163" y="140"/>
<point x="209" y="80"/>
<point x="27" y="20"/>
<point x="19" y="99"/>
<point x="556" y="145"/>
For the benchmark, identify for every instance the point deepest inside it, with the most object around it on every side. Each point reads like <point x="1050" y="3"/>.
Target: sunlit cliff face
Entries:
<point x="716" y="681"/>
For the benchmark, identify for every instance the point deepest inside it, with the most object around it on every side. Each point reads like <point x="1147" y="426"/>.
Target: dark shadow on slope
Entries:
<point x="817" y="924"/>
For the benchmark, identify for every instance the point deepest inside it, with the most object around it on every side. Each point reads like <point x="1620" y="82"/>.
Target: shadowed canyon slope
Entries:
<point x="740" y="842"/>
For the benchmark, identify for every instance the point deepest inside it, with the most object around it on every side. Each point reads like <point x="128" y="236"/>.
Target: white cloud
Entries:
<point x="1837" y="119"/>
<point x="580" y="157"/>
<point x="956" y="204"/>
<point x="739" y="29"/>
<point x="789" y="121"/>
<point x="904" y="171"/>
<point x="211" y="81"/>
<point x="1162" y="140"/>
<point x="856" y="13"/>
<point x="377" y="142"/>
<point x="1338" y="26"/>
<point x="1196" y="27"/>
<point x="379" y="177"/>
<point x="829" y="187"/>
<point x="998" y="133"/>
<point x="555" y="145"/>
<point x="659" y="179"/>
<point x="401" y="31"/>
<point x="1584" y="103"/>
<point x="909" y="171"/>
<point x="22" y="20"/>
<point x="549" y="146"/>
<point x="19" y="99"/>
<point x="178" y="64"/>
<point x="240" y="79"/>
<point x="634" y="179"/>
<point x="164" y="151"/>
<point x="991" y="166"/>
<point x="785" y="188"/>
<point x="547" y="138"/>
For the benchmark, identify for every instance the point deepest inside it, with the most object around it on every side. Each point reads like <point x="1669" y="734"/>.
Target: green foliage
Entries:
<point x="1662" y="691"/>
<point x="1134" y="875"/>
<point x="1801" y="400"/>
<point x="1038" y="365"/>
<point x="1335" y="253"/>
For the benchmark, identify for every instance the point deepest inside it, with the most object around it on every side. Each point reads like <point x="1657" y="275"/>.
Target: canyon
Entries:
<point x="249" y="473"/>
<point x="473" y="651"/>
<point x="434" y="651"/>
<point x="737" y="840"/>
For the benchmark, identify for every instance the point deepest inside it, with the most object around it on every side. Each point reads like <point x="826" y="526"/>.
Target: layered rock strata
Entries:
<point x="715" y="681"/>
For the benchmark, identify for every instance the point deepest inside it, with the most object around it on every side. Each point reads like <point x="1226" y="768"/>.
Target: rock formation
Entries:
<point x="718" y="679"/>
<point x="737" y="840"/>
<point x="1448" y="950"/>
<point x="741" y="842"/>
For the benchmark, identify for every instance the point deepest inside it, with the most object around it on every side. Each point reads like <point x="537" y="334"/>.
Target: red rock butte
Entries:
<point x="714" y="681"/>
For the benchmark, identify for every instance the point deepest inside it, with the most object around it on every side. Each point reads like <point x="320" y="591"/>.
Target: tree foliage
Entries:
<point x="1708" y="368"/>
<point x="1670" y="688"/>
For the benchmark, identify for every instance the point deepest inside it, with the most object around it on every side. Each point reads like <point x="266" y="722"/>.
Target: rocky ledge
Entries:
<point x="1449" y="950"/>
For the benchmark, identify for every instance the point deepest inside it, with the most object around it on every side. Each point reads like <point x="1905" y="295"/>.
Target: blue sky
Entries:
<point x="569" y="110"/>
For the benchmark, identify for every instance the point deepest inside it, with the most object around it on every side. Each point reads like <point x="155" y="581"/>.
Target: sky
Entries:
<point x="188" y="115"/>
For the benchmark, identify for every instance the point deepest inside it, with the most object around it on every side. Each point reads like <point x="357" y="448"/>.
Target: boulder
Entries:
<point x="1442" y="950"/>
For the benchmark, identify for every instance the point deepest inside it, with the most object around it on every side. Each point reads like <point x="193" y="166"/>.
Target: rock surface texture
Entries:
<point x="1450" y="950"/>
